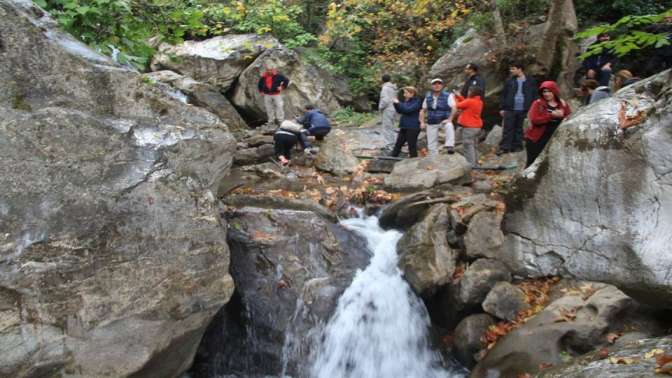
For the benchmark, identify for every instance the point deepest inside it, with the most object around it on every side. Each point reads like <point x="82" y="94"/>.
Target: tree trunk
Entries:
<point x="500" y="32"/>
<point x="557" y="54"/>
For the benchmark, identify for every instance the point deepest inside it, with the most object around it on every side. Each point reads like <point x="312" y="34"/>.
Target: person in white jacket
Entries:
<point x="388" y="94"/>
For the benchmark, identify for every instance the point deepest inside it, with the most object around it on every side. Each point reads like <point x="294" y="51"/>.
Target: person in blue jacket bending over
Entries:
<point x="315" y="123"/>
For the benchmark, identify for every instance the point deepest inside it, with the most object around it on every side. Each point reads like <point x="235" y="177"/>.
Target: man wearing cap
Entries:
<point x="271" y="84"/>
<point x="436" y="110"/>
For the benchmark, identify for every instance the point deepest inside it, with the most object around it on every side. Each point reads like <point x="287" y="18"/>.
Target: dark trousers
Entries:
<point x="603" y="77"/>
<point x="534" y="149"/>
<point x="283" y="144"/>
<point x="409" y="136"/>
<point x="318" y="133"/>
<point x="512" y="135"/>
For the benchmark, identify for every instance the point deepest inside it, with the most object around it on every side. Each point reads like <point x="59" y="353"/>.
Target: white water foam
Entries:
<point x="380" y="328"/>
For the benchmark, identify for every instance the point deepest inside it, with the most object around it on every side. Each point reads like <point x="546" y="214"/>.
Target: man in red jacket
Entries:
<point x="271" y="84"/>
<point x="546" y="114"/>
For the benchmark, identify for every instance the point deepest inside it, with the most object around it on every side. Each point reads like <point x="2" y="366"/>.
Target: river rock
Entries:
<point x="113" y="257"/>
<point x="493" y="138"/>
<point x="505" y="301"/>
<point x="308" y="85"/>
<point x="468" y="337"/>
<point x="424" y="254"/>
<point x="428" y="172"/>
<point x="596" y="365"/>
<point x="290" y="267"/>
<point x="335" y="156"/>
<point x="598" y="206"/>
<point x="484" y="237"/>
<point x="479" y="278"/>
<point x="570" y="326"/>
<point x="203" y="95"/>
<point x="217" y="61"/>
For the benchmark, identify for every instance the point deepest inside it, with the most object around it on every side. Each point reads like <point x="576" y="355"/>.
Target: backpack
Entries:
<point x="291" y="126"/>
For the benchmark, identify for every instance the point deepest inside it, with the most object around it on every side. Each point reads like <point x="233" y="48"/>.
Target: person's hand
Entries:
<point x="422" y="125"/>
<point x="590" y="74"/>
<point x="502" y="112"/>
<point x="607" y="67"/>
<point x="558" y="113"/>
<point x="396" y="101"/>
<point x="456" y="92"/>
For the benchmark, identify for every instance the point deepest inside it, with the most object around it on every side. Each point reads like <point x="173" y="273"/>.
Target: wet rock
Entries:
<point x="582" y="234"/>
<point x="380" y="166"/>
<point x="254" y="155"/>
<point x="409" y="209"/>
<point x="570" y="326"/>
<point x="203" y="95"/>
<point x="217" y="61"/>
<point x="494" y="137"/>
<point x="290" y="267"/>
<point x="424" y="254"/>
<point x="308" y="85"/>
<point x="258" y="140"/>
<point x="505" y="301"/>
<point x="113" y="257"/>
<point x="484" y="237"/>
<point x="482" y="186"/>
<point x="479" y="278"/>
<point x="468" y="337"/>
<point x="335" y="156"/>
<point x="428" y="172"/>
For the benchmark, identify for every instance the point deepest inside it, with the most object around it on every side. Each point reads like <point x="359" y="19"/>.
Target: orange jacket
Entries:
<point x="471" y="107"/>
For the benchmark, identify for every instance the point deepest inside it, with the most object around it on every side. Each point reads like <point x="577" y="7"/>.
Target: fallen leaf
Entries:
<point x="653" y="353"/>
<point x="545" y="365"/>
<point x="611" y="337"/>
<point x="524" y="375"/>
<point x="603" y="353"/>
<point x="282" y="284"/>
<point x="663" y="359"/>
<point x="623" y="360"/>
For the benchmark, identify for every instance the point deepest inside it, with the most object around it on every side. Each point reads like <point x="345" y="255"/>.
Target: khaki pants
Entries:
<point x="469" y="142"/>
<point x="433" y="137"/>
<point x="388" y="116"/>
<point x="274" y="108"/>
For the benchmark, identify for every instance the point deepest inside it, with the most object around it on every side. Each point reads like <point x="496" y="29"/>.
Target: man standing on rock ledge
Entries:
<point x="437" y="108"/>
<point x="271" y="84"/>
<point x="388" y="94"/>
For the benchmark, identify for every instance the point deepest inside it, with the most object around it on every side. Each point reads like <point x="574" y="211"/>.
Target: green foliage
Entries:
<point x="591" y="11"/>
<point x="629" y="35"/>
<point x="512" y="10"/>
<point x="349" y="117"/>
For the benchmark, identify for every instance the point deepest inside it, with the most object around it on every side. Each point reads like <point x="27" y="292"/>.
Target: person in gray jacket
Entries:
<point x="388" y="94"/>
<point x="593" y="92"/>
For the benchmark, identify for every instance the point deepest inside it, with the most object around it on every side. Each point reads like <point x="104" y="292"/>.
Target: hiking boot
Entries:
<point x="449" y="149"/>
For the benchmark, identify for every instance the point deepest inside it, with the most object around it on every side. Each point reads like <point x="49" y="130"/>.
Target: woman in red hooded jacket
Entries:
<point x="545" y="115"/>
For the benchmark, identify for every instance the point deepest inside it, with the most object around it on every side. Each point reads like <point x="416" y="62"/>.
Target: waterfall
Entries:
<point x="379" y="328"/>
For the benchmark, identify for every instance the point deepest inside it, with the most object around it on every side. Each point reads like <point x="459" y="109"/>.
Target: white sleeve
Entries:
<point x="451" y="101"/>
<point x="424" y="104"/>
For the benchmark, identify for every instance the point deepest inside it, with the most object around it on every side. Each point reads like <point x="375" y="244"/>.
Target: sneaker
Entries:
<point x="449" y="149"/>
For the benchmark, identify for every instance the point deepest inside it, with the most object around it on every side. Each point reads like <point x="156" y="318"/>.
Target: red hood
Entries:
<point x="552" y="86"/>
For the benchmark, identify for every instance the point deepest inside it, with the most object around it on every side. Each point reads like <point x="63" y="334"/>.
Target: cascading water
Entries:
<point x="380" y="328"/>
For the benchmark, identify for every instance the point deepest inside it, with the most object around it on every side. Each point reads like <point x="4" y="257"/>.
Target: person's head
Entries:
<point x="588" y="86"/>
<point x="270" y="67"/>
<point x="602" y="37"/>
<point x="386" y="78"/>
<point x="516" y="69"/>
<point x="620" y="78"/>
<point x="471" y="69"/>
<point x="549" y="91"/>
<point x="437" y="85"/>
<point x="475" y="92"/>
<point x="309" y="107"/>
<point x="410" y="92"/>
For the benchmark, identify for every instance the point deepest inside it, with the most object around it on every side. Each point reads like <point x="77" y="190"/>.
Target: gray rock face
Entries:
<point x="484" y="237"/>
<point x="335" y="155"/>
<point x="290" y="267"/>
<point x="569" y="326"/>
<point x="113" y="259"/>
<point x="202" y="95"/>
<point x="596" y="366"/>
<point x="468" y="337"/>
<point x="479" y="279"/>
<point x="307" y="85"/>
<point x="217" y="61"/>
<point x="505" y="301"/>
<point x="428" y="172"/>
<point x="597" y="206"/>
<point x="424" y="254"/>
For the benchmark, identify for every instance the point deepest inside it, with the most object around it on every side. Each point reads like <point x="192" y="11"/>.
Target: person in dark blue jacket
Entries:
<point x="600" y="66"/>
<point x="409" y="125"/>
<point x="518" y="94"/>
<point x="315" y="123"/>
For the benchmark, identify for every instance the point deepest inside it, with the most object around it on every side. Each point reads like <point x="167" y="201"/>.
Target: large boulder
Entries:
<point x="335" y="155"/>
<point x="570" y="326"/>
<point x="484" y="237"/>
<point x="290" y="268"/>
<point x="597" y="205"/>
<point x="505" y="301"/>
<point x="428" y="172"/>
<point x="308" y="85"/>
<point x="424" y="254"/>
<point x="468" y="335"/>
<point x="217" y="61"/>
<point x="113" y="257"/>
<point x="479" y="278"/>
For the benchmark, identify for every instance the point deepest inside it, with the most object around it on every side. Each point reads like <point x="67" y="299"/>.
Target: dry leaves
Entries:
<point x="566" y="315"/>
<point x="623" y="360"/>
<point x="664" y="363"/>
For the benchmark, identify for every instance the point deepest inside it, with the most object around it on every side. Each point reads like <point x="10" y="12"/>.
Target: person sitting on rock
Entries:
<point x="409" y="124"/>
<point x="593" y="92"/>
<point x="546" y="114"/>
<point x="470" y="121"/>
<point x="271" y="84"/>
<point x="599" y="66"/>
<point x="285" y="139"/>
<point x="437" y="108"/>
<point x="315" y="123"/>
<point x="623" y="78"/>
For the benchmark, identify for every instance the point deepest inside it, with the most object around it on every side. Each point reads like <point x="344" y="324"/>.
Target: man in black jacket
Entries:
<point x="474" y="79"/>
<point x="271" y="84"/>
<point x="600" y="66"/>
<point x="518" y="94"/>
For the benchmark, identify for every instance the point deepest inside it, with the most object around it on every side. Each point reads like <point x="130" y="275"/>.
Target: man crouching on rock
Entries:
<point x="271" y="84"/>
<point x="315" y="123"/>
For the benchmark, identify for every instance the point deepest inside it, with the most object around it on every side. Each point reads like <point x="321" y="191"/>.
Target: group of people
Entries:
<point x="289" y="132"/>
<point x="461" y="111"/>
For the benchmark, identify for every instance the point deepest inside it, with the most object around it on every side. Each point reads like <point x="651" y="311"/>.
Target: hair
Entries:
<point x="602" y="35"/>
<point x="620" y="77"/>
<point x="309" y="107"/>
<point x="473" y="66"/>
<point x="475" y="91"/>
<point x="412" y="90"/>
<point x="386" y="78"/>
<point x="589" y="84"/>
<point x="517" y="65"/>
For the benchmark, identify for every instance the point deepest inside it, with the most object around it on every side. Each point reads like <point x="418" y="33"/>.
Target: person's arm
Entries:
<point x="462" y="103"/>
<point x="502" y="97"/>
<point x="538" y="114"/>
<point x="423" y="113"/>
<point x="260" y="84"/>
